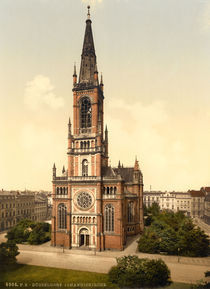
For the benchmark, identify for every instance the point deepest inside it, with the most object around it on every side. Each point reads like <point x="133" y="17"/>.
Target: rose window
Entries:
<point x="84" y="200"/>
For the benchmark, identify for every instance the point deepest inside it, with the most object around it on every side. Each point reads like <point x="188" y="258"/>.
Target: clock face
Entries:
<point x="84" y="200"/>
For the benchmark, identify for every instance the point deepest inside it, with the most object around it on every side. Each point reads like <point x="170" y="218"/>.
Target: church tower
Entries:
<point x="95" y="206"/>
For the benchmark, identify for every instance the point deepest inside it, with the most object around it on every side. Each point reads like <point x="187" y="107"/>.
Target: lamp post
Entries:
<point x="178" y="255"/>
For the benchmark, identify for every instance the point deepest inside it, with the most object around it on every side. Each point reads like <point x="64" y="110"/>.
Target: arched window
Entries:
<point x="85" y="168"/>
<point x="85" y="113"/>
<point x="81" y="145"/>
<point x="57" y="190"/>
<point x="115" y="190"/>
<point x="111" y="190"/>
<point x="62" y="216"/>
<point x="107" y="190"/>
<point x="130" y="212"/>
<point x="109" y="218"/>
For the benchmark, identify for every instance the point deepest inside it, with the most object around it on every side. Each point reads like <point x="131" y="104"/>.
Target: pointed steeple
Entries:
<point x="119" y="165"/>
<point x="88" y="61"/>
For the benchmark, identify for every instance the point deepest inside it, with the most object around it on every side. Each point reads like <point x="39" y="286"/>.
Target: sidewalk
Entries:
<point x="131" y="249"/>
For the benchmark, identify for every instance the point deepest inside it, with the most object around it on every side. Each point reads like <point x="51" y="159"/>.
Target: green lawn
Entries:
<point x="27" y="276"/>
<point x="69" y="278"/>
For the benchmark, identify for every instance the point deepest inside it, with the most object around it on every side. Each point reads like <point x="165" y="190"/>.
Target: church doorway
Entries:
<point x="84" y="238"/>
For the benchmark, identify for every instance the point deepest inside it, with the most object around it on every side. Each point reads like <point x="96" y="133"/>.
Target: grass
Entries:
<point x="26" y="276"/>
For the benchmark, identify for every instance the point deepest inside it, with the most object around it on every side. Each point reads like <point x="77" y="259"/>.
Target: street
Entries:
<point x="187" y="270"/>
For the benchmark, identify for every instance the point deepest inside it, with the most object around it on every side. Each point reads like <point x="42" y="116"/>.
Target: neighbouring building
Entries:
<point x="206" y="216"/>
<point x="174" y="201"/>
<point x="197" y="203"/>
<point x="41" y="208"/>
<point x="16" y="206"/>
<point x="151" y="197"/>
<point x="183" y="202"/>
<point x="25" y="206"/>
<point x="7" y="210"/>
<point x="95" y="205"/>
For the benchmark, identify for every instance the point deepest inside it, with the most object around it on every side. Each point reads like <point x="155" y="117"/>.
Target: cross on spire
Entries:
<point x="88" y="15"/>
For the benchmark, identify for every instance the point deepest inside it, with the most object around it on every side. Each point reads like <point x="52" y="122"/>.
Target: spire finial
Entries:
<point x="88" y="15"/>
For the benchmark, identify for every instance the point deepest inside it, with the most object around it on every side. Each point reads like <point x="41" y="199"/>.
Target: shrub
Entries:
<point x="131" y="271"/>
<point x="28" y="231"/>
<point x="8" y="253"/>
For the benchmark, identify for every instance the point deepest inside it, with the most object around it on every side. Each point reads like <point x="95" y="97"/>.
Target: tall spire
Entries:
<point x="88" y="59"/>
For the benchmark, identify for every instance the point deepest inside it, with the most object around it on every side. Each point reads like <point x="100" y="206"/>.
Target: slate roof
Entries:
<point x="125" y="173"/>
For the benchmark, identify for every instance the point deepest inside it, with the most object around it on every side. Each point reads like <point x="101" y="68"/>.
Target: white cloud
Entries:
<point x="39" y="92"/>
<point x="171" y="154"/>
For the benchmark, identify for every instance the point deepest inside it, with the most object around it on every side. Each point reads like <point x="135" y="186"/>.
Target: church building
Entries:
<point x="95" y="206"/>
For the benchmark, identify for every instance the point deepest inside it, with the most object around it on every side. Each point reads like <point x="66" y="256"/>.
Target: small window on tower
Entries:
<point x="85" y="113"/>
<point x="85" y="168"/>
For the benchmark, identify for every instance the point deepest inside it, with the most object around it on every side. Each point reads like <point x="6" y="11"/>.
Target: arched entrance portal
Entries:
<point x="84" y="238"/>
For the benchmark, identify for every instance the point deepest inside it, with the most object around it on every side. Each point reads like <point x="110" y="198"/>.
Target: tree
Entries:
<point x="172" y="232"/>
<point x="8" y="253"/>
<point x="149" y="242"/>
<point x="193" y="242"/>
<point x="21" y="231"/>
<point x="29" y="231"/>
<point x="39" y="234"/>
<point x="153" y="210"/>
<point x="131" y="271"/>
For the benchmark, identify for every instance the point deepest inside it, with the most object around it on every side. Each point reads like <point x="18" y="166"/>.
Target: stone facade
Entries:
<point x="174" y="201"/>
<point x="7" y="210"/>
<point x="25" y="206"/>
<point x="41" y="208"/>
<point x="16" y="206"/>
<point x="95" y="206"/>
<point x="197" y="203"/>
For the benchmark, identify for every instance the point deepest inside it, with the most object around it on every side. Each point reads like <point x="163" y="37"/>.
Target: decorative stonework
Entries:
<point x="84" y="200"/>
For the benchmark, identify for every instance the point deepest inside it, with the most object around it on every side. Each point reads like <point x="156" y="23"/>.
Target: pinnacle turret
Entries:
<point x="69" y="128"/>
<point x="136" y="165"/>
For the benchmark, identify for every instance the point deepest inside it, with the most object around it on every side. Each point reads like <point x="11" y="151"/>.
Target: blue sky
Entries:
<point x="155" y="60"/>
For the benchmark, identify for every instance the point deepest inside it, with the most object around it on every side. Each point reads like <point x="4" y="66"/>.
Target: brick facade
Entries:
<point x="95" y="206"/>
